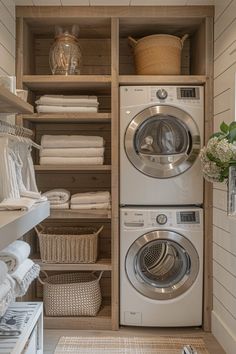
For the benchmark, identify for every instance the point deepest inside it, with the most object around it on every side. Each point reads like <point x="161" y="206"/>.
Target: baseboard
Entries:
<point x="223" y="334"/>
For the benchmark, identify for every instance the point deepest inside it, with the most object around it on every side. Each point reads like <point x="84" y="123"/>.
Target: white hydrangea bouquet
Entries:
<point x="219" y="154"/>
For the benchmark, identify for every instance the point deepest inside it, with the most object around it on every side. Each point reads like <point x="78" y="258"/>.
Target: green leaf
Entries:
<point x="218" y="135"/>
<point x="224" y="127"/>
<point x="232" y="135"/>
<point x="232" y="126"/>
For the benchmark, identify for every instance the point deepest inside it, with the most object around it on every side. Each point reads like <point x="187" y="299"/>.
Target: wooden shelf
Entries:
<point x="10" y="103"/>
<point x="101" y="321"/>
<point x="60" y="83"/>
<point x="100" y="265"/>
<point x="162" y="79"/>
<point x="14" y="224"/>
<point x="79" y="214"/>
<point x="67" y="117"/>
<point x="72" y="167"/>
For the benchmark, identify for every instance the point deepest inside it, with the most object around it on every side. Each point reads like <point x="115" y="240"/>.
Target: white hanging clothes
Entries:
<point x="28" y="174"/>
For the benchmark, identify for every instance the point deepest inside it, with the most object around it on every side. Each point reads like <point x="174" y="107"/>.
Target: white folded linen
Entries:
<point x="71" y="141"/>
<point x="75" y="101"/>
<point x="60" y="206"/>
<point x="90" y="206"/>
<point x="24" y="275"/>
<point x="23" y="204"/>
<point x="7" y="294"/>
<point x="3" y="271"/>
<point x="15" y="254"/>
<point x="73" y="152"/>
<point x="71" y="160"/>
<point x="58" y="109"/>
<point x="29" y="194"/>
<point x="90" y="198"/>
<point x="57" y="196"/>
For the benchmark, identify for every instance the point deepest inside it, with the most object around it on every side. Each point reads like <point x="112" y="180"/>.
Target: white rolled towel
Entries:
<point x="91" y="206"/>
<point x="24" y="275"/>
<point x="61" y="109"/>
<point x="23" y="204"/>
<point x="71" y="161"/>
<point x="15" y="254"/>
<point x="57" y="196"/>
<point x="61" y="100"/>
<point x="7" y="294"/>
<point x="72" y="152"/>
<point x="91" y="198"/>
<point x="71" y="141"/>
<point x="3" y="271"/>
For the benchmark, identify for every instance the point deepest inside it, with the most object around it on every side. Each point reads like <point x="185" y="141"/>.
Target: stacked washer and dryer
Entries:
<point x="161" y="194"/>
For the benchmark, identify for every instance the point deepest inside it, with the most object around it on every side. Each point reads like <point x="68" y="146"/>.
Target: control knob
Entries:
<point x="162" y="94"/>
<point x="161" y="219"/>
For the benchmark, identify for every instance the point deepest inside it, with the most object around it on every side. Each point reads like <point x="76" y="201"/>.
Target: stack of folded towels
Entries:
<point x="7" y="294"/>
<point x="91" y="200"/>
<point x="72" y="150"/>
<point x="60" y="103"/>
<point x="20" y="269"/>
<point x="58" y="198"/>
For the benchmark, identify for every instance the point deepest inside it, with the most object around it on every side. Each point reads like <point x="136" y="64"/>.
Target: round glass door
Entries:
<point x="162" y="264"/>
<point x="162" y="141"/>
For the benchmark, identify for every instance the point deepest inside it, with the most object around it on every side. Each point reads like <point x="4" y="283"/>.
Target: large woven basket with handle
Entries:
<point x="72" y="294"/>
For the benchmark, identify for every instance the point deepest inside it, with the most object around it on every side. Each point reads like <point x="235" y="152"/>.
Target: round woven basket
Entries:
<point x="159" y="54"/>
<point x="72" y="294"/>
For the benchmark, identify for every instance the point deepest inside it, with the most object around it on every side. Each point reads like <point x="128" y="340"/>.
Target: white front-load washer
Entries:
<point x="161" y="266"/>
<point x="161" y="134"/>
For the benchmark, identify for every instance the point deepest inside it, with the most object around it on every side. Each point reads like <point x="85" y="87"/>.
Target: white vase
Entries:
<point x="231" y="196"/>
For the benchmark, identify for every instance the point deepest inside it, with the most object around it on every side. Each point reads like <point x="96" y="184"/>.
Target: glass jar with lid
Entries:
<point x="65" y="54"/>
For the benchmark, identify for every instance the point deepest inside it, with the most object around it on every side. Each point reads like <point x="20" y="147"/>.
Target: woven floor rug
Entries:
<point x="128" y="345"/>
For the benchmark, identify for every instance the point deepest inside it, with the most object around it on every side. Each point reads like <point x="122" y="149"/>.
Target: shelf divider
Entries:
<point x="162" y="79"/>
<point x="100" y="265"/>
<point x="10" y="103"/>
<point x="67" y="117"/>
<point x="80" y="214"/>
<point x="72" y="168"/>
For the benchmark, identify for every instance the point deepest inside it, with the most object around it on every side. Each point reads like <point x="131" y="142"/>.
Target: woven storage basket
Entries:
<point x="73" y="294"/>
<point x="159" y="54"/>
<point x="68" y="244"/>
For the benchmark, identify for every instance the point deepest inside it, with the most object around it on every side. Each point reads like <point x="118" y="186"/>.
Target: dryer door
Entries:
<point x="162" y="264"/>
<point x="162" y="141"/>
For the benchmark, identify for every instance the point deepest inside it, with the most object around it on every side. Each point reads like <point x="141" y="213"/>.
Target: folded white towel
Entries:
<point x="3" y="271"/>
<point x="71" y="160"/>
<point x="90" y="198"/>
<point x="74" y="101"/>
<point x="29" y="194"/>
<point x="23" y="204"/>
<point x="58" y="109"/>
<point x="24" y="275"/>
<point x="90" y="206"/>
<point x="15" y="254"/>
<point x="60" y="206"/>
<point x="57" y="196"/>
<point x="7" y="294"/>
<point x="72" y="152"/>
<point x="71" y="141"/>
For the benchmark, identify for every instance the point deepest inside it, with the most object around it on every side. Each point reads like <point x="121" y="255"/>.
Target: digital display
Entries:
<point x="188" y="92"/>
<point x="188" y="217"/>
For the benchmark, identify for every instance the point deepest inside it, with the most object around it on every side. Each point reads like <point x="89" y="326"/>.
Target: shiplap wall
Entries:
<point x="7" y="37"/>
<point x="224" y="240"/>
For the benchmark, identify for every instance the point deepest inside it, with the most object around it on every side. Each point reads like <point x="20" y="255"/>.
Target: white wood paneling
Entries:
<point x="225" y="258"/>
<point x="7" y="40"/>
<point x="75" y="2"/>
<point x="223" y="333"/>
<point x="10" y="6"/>
<point x="47" y="2"/>
<point x="220" y="7"/>
<point x="7" y="61"/>
<point x="225" y="297"/>
<point x="220" y="219"/>
<point x="224" y="239"/>
<point x="220" y="199"/>
<point x="226" y="60"/>
<point x="225" y="20"/>
<point x="222" y="102"/>
<point x="24" y="2"/>
<point x="225" y="278"/>
<point x="7" y="19"/>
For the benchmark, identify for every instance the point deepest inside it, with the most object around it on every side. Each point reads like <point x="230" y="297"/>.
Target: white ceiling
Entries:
<point x="113" y="2"/>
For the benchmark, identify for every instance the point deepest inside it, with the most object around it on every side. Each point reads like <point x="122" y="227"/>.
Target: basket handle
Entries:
<point x="182" y="40"/>
<point x="132" y="41"/>
<point x="99" y="230"/>
<point x="100" y="276"/>
<point x="38" y="229"/>
<point x="46" y="276"/>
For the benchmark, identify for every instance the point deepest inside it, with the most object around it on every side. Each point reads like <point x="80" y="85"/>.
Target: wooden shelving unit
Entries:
<point x="108" y="64"/>
<point x="79" y="214"/>
<point x="100" y="265"/>
<point x="10" y="103"/>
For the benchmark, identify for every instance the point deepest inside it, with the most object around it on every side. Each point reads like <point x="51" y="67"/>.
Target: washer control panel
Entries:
<point x="161" y="219"/>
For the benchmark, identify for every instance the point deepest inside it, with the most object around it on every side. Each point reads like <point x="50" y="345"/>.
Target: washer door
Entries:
<point x="162" y="141"/>
<point x="162" y="264"/>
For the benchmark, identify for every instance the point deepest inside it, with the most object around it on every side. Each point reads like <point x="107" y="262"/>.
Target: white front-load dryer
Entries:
<point x="161" y="134"/>
<point x="161" y="266"/>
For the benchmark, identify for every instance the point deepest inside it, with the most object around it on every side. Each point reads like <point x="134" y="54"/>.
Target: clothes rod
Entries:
<point x="17" y="130"/>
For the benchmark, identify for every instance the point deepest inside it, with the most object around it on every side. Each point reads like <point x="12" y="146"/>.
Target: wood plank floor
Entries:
<point x="51" y="337"/>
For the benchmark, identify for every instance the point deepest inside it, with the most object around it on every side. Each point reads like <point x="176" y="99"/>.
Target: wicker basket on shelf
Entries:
<point x="68" y="244"/>
<point x="72" y="294"/>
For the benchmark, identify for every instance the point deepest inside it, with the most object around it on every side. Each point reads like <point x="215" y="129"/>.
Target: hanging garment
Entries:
<point x="28" y="174"/>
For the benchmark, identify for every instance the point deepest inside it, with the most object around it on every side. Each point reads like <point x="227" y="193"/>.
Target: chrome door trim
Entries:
<point x="161" y="293"/>
<point x="175" y="166"/>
